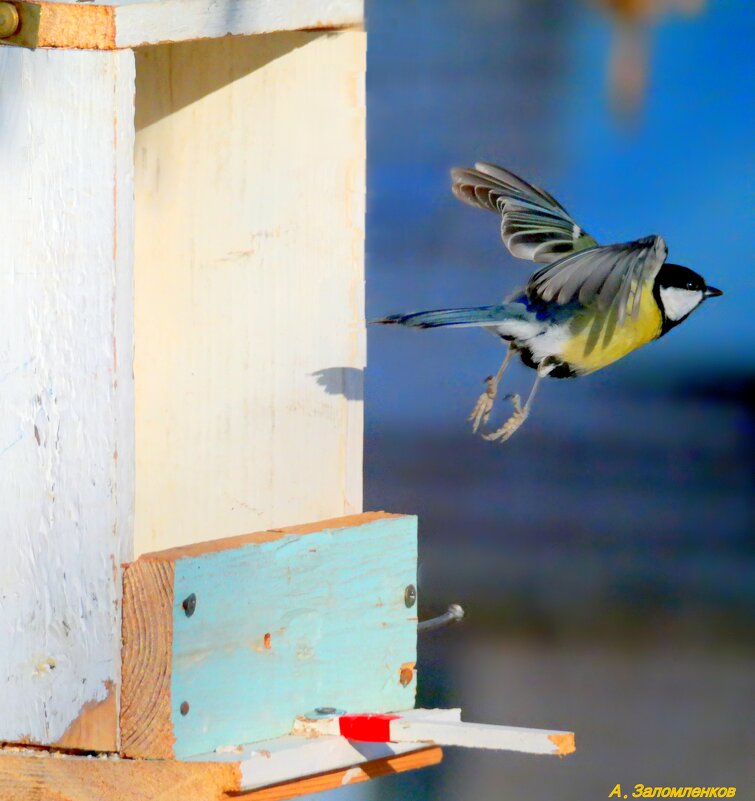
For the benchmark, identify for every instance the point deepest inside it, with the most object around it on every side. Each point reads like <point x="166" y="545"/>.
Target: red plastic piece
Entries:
<point x="367" y="728"/>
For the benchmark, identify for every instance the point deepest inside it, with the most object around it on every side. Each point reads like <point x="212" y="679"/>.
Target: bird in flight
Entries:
<point x="589" y="306"/>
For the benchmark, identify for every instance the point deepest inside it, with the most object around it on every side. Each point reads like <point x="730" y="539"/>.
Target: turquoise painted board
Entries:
<point x="283" y="627"/>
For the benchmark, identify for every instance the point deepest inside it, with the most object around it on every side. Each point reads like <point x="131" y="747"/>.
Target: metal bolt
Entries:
<point x="410" y="596"/>
<point x="9" y="20"/>
<point x="184" y="708"/>
<point x="189" y="604"/>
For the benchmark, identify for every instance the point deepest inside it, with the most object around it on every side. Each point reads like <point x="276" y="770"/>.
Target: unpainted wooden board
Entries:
<point x="284" y="622"/>
<point x="132" y="23"/>
<point x="38" y="776"/>
<point x="250" y="331"/>
<point x="66" y="394"/>
<point x="146" y="729"/>
<point x="47" y="777"/>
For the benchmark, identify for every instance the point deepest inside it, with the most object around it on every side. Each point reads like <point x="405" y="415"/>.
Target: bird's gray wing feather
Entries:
<point x="613" y="274"/>
<point x="534" y="225"/>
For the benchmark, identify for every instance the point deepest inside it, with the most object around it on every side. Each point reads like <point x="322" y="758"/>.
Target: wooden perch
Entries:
<point x="438" y="727"/>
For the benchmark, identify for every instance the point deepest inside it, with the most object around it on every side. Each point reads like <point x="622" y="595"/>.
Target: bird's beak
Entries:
<point x="712" y="292"/>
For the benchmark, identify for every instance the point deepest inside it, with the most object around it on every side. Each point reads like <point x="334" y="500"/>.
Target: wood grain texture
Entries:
<point x="66" y="399"/>
<point x="250" y="331"/>
<point x="146" y="727"/>
<point x="316" y="616"/>
<point x="133" y="23"/>
<point x="44" y="777"/>
<point x="34" y="776"/>
<point x="340" y="778"/>
<point x="64" y="26"/>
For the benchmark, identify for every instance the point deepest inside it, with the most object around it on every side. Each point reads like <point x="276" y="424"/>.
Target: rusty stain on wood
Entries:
<point x="406" y="673"/>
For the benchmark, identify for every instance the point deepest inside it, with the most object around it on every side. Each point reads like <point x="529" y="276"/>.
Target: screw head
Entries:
<point x="184" y="708"/>
<point x="189" y="604"/>
<point x="410" y="596"/>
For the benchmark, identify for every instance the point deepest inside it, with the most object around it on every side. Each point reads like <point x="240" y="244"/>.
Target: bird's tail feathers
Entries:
<point x="477" y="316"/>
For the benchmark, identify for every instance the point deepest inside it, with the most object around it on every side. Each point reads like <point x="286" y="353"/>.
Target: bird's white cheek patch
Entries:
<point x="678" y="303"/>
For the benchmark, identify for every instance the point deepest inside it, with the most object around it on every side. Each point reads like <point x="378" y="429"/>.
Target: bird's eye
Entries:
<point x="690" y="285"/>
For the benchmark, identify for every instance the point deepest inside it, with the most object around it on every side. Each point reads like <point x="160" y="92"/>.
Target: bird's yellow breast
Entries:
<point x="598" y="340"/>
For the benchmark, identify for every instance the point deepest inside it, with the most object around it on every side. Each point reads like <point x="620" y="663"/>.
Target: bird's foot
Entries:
<point x="512" y="424"/>
<point x="481" y="412"/>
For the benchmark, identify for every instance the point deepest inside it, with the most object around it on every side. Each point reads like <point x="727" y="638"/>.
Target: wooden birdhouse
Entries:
<point x="182" y="297"/>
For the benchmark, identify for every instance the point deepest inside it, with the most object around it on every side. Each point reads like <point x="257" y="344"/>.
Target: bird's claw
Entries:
<point x="512" y="424"/>
<point x="481" y="412"/>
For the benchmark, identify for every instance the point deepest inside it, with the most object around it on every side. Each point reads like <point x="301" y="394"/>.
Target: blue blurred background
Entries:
<point x="605" y="554"/>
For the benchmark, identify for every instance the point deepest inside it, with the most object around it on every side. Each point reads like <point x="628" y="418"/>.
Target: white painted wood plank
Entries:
<point x="442" y="727"/>
<point x="133" y="23"/>
<point x="292" y="757"/>
<point x="250" y="332"/>
<point x="477" y="735"/>
<point x="66" y="418"/>
<point x="138" y="23"/>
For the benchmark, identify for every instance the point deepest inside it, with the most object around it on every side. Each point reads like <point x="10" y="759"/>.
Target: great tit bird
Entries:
<point x="588" y="307"/>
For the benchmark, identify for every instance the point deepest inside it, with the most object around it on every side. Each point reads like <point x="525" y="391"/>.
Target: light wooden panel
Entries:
<point x="249" y="284"/>
<point x="285" y="621"/>
<point x="132" y="23"/>
<point x="66" y="395"/>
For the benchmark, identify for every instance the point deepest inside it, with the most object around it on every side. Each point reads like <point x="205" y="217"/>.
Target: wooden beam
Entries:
<point x="32" y="776"/>
<point x="135" y="23"/>
<point x="281" y="622"/>
<point x="147" y="634"/>
<point x="66" y="428"/>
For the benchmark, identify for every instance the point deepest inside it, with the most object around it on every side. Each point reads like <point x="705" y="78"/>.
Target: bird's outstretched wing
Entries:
<point x="534" y="225"/>
<point x="614" y="274"/>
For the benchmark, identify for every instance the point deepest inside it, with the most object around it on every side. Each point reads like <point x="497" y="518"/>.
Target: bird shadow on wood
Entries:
<point x="345" y="381"/>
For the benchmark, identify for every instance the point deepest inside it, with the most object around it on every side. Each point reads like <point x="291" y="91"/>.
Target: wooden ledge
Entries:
<point x="34" y="775"/>
<point x="133" y="23"/>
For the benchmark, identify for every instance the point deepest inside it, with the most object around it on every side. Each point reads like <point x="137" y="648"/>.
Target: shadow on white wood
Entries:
<point x="249" y="283"/>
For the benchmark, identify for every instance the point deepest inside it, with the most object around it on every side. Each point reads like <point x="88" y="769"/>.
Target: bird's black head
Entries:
<point x="679" y="291"/>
